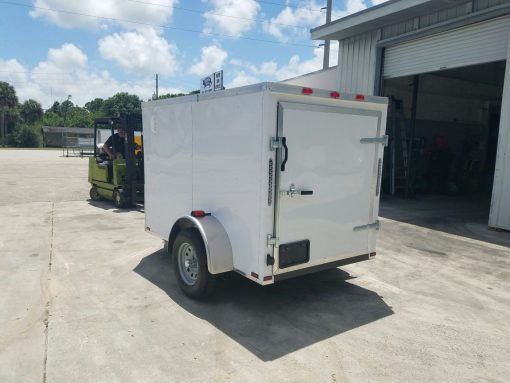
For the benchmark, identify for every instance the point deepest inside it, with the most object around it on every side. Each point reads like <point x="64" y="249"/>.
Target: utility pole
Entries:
<point x="67" y="107"/>
<point x="327" y="42"/>
<point x="157" y="85"/>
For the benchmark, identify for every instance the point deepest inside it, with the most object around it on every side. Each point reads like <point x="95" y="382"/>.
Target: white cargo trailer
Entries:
<point x="269" y="180"/>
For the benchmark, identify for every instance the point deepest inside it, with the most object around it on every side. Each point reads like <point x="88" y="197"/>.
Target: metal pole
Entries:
<point x="157" y="96"/>
<point x="67" y="107"/>
<point x="327" y="42"/>
<point x="412" y="127"/>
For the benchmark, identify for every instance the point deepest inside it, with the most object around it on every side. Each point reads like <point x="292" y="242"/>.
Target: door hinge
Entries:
<point x="276" y="143"/>
<point x="272" y="241"/>
<point x="375" y="140"/>
<point x="376" y="225"/>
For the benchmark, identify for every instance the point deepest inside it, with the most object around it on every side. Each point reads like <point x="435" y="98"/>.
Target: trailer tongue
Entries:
<point x="286" y="180"/>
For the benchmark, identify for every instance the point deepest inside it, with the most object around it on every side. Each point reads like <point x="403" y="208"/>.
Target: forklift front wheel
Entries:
<point x="190" y="265"/>
<point x="119" y="199"/>
<point x="94" y="194"/>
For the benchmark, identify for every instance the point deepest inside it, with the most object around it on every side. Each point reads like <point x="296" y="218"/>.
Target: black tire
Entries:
<point x="196" y="284"/>
<point x="94" y="195"/>
<point x="119" y="199"/>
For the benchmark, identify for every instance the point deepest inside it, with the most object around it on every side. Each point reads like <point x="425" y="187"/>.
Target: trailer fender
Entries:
<point x="216" y="242"/>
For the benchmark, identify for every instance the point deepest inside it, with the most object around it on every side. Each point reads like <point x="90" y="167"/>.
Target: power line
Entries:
<point x="216" y="14"/>
<point x="289" y="6"/>
<point x="37" y="73"/>
<point x="156" y="26"/>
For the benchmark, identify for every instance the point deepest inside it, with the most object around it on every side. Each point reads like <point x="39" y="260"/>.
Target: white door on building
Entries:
<point x="471" y="45"/>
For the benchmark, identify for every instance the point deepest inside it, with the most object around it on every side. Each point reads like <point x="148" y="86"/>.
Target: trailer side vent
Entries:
<point x="270" y="189"/>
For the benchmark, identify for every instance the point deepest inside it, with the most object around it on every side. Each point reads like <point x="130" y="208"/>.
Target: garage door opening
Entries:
<point x="443" y="129"/>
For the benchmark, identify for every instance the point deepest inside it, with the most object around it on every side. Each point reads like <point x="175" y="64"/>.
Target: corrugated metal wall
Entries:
<point x="357" y="63"/>
<point x="458" y="9"/>
<point x="500" y="204"/>
<point x="357" y="72"/>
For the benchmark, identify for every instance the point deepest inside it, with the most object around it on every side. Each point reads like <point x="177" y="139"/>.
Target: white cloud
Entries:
<point x="296" y="66"/>
<point x="307" y="15"/>
<point x="67" y="57"/>
<point x="66" y="72"/>
<point x="107" y="9"/>
<point x="242" y="79"/>
<point x="268" y="68"/>
<point x="211" y="60"/>
<point x="351" y="6"/>
<point x="232" y="17"/>
<point x="377" y="2"/>
<point x="271" y="71"/>
<point x="296" y="21"/>
<point x="140" y="52"/>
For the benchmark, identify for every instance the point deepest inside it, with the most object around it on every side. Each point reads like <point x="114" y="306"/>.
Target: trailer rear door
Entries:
<point x="328" y="166"/>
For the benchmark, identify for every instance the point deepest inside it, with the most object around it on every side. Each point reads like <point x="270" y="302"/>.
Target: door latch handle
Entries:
<point x="293" y="191"/>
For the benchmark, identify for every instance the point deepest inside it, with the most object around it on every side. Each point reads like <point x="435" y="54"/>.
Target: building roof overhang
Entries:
<point x="376" y="17"/>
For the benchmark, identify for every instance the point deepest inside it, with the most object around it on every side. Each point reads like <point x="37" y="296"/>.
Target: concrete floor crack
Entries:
<point x="48" y="301"/>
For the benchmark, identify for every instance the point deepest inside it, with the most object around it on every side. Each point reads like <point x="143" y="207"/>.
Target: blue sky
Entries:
<point x="50" y="49"/>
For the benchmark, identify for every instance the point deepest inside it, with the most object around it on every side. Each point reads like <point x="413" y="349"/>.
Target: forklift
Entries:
<point x="120" y="180"/>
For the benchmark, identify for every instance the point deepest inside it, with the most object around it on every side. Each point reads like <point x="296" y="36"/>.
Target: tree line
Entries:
<point x="21" y="123"/>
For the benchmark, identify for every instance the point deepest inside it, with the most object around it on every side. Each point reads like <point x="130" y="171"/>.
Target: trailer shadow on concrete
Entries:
<point x="273" y="321"/>
<point x="465" y="216"/>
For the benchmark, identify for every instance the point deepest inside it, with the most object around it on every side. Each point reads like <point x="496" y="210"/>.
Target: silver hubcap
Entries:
<point x="188" y="264"/>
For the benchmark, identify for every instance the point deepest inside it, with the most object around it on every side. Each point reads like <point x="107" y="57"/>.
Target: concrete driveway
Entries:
<point x="87" y="296"/>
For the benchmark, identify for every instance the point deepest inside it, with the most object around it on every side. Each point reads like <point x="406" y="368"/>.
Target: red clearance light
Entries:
<point x="254" y="275"/>
<point x="334" y="95"/>
<point x="198" y="213"/>
<point x="307" y="91"/>
<point x="268" y="278"/>
<point x="360" y="97"/>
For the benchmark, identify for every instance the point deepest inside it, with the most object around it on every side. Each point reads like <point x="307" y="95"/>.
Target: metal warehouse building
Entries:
<point x="443" y="65"/>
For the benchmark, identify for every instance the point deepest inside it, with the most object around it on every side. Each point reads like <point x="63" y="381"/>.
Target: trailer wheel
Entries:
<point x="94" y="194"/>
<point x="190" y="265"/>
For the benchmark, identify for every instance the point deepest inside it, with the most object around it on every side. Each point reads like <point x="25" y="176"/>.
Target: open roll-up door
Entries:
<point x="471" y="45"/>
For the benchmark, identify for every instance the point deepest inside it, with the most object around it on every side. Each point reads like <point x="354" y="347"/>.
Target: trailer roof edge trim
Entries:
<point x="267" y="86"/>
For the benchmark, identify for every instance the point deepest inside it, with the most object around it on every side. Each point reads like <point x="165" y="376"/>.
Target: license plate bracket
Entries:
<point x="294" y="253"/>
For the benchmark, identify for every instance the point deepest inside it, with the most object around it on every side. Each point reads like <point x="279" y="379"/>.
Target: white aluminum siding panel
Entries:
<point x="356" y="64"/>
<point x="227" y="144"/>
<point x="475" y="44"/>
<point x="168" y="188"/>
<point x="500" y="204"/>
